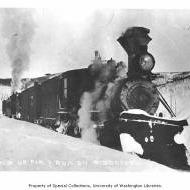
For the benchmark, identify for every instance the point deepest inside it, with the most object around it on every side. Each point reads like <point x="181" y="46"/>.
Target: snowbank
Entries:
<point x="26" y="146"/>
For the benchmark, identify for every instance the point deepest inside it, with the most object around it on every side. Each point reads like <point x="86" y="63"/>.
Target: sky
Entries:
<point x="65" y="39"/>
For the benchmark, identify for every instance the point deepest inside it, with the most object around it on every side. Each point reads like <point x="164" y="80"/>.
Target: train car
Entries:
<point x="13" y="98"/>
<point x="72" y="85"/>
<point x="18" y="106"/>
<point x="29" y="104"/>
<point x="60" y="97"/>
<point x="49" y="102"/>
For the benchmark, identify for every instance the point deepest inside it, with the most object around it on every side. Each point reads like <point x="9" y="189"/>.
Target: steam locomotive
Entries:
<point x="109" y="103"/>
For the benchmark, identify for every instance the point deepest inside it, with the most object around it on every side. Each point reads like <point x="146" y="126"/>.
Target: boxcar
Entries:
<point x="72" y="85"/>
<point x="61" y="95"/>
<point x="13" y="98"/>
<point x="30" y="103"/>
<point x="49" y="101"/>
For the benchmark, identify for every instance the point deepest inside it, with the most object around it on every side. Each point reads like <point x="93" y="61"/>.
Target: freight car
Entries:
<point x="60" y="96"/>
<point x="99" y="96"/>
<point x="29" y="103"/>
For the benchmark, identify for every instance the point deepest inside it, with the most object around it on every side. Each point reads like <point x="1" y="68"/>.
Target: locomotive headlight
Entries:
<point x="146" y="62"/>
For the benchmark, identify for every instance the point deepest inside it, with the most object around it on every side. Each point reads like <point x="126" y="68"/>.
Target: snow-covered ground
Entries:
<point x="26" y="146"/>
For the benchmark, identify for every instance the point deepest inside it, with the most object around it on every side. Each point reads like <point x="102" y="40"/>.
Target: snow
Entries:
<point x="30" y="147"/>
<point x="129" y="144"/>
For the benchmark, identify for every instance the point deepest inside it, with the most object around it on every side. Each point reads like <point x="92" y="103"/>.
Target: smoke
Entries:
<point x="103" y="72"/>
<point x="102" y="36"/>
<point x="18" y="28"/>
<point x="88" y="102"/>
<point x="97" y="101"/>
<point x="88" y="133"/>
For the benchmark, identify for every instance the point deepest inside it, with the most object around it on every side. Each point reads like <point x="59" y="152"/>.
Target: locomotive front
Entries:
<point x="139" y="92"/>
<point x="135" y="103"/>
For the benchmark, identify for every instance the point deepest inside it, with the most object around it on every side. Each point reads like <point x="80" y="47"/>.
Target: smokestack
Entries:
<point x="97" y="58"/>
<point x="135" y="42"/>
<point x="18" y="28"/>
<point x="96" y="54"/>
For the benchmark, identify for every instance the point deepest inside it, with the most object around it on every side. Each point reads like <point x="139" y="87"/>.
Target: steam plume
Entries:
<point x="88" y="102"/>
<point x="85" y="122"/>
<point x="18" y="28"/>
<point x="98" y="100"/>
